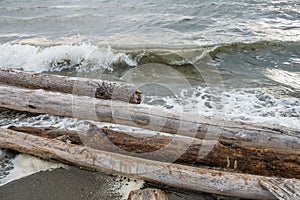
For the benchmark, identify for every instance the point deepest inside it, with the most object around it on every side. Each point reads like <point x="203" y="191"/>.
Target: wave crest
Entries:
<point x="57" y="58"/>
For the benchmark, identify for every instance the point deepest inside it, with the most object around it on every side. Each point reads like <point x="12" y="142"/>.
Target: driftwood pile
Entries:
<point x="247" y="161"/>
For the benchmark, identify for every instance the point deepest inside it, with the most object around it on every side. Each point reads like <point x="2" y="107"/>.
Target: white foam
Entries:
<point x="264" y="108"/>
<point x="33" y="58"/>
<point x="123" y="186"/>
<point x="250" y="106"/>
<point x="25" y="165"/>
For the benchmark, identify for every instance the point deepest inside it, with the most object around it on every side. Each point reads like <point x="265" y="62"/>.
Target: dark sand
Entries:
<point x="62" y="184"/>
<point x="76" y="184"/>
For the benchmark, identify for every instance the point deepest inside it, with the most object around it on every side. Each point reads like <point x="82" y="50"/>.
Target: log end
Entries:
<point x="147" y="194"/>
<point x="126" y="93"/>
<point x="136" y="97"/>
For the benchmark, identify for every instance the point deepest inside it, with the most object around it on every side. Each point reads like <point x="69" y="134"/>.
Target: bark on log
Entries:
<point x="148" y="194"/>
<point x="149" y="117"/>
<point x="198" y="179"/>
<point x="72" y="85"/>
<point x="259" y="161"/>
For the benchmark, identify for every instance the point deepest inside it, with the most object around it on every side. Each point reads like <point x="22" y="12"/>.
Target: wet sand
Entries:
<point x="77" y="184"/>
<point x="66" y="184"/>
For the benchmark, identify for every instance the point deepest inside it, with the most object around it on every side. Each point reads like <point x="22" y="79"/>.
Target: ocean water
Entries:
<point x="238" y="60"/>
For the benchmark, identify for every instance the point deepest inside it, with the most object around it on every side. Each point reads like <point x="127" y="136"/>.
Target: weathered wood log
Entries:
<point x="148" y="194"/>
<point x="164" y="148"/>
<point x="51" y="133"/>
<point x="282" y="189"/>
<point x="149" y="117"/>
<point x="73" y="85"/>
<point x="186" y="177"/>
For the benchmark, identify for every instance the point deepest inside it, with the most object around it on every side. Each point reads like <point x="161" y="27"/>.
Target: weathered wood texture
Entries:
<point x="148" y="194"/>
<point x="282" y="189"/>
<point x="259" y="161"/>
<point x="151" y="118"/>
<point x="186" y="177"/>
<point x="51" y="133"/>
<point x="72" y="85"/>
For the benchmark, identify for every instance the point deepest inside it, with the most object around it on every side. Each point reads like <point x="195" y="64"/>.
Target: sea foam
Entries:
<point x="57" y="58"/>
<point x="252" y="106"/>
<point x="25" y="165"/>
<point x="124" y="185"/>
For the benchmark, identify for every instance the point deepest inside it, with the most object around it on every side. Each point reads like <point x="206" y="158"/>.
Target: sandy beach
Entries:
<point x="71" y="183"/>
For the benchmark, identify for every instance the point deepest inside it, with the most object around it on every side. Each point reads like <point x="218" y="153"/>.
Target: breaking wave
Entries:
<point x="62" y="57"/>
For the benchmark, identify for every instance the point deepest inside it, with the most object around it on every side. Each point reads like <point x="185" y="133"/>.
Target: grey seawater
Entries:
<point x="167" y="23"/>
<point x="249" y="49"/>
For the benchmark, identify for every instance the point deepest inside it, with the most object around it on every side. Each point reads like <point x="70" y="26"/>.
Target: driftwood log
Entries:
<point x="151" y="118"/>
<point x="72" y="85"/>
<point x="147" y="194"/>
<point x="282" y="189"/>
<point x="259" y="161"/>
<point x="186" y="177"/>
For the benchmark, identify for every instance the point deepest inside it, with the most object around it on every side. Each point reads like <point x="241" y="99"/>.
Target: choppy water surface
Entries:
<point x="174" y="51"/>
